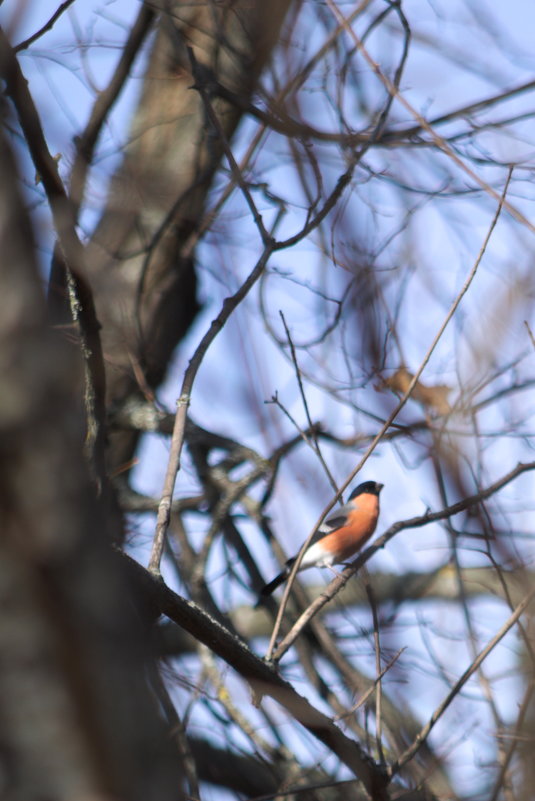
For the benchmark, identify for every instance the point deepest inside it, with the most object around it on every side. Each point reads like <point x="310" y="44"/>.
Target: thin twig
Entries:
<point x="519" y="726"/>
<point x="377" y="644"/>
<point x="362" y="700"/>
<point x="463" y="599"/>
<point x="199" y="85"/>
<point x="313" y="440"/>
<point x="465" y="112"/>
<point x="530" y="333"/>
<point x="46" y="27"/>
<point x="85" y="144"/>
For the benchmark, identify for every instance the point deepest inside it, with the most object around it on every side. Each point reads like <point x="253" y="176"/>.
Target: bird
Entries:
<point x="340" y="536"/>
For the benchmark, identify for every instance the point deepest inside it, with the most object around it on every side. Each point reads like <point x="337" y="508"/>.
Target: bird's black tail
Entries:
<point x="267" y="589"/>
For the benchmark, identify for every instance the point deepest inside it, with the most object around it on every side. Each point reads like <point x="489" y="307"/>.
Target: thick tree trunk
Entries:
<point x="77" y="719"/>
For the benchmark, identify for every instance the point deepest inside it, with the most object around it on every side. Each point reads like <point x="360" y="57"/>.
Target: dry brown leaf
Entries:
<point x="434" y="398"/>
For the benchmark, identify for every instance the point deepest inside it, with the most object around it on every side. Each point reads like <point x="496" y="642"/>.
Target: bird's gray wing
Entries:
<point x="337" y="519"/>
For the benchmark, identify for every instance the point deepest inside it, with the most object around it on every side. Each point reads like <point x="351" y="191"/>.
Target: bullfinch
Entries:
<point x="340" y="536"/>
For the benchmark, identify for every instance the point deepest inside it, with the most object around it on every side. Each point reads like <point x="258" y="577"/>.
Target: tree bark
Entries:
<point x="77" y="719"/>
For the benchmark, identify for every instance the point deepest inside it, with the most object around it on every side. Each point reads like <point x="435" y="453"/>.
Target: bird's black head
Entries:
<point x="370" y="487"/>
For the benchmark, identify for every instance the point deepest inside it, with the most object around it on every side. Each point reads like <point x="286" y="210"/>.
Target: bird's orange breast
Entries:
<point x="348" y="539"/>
